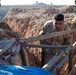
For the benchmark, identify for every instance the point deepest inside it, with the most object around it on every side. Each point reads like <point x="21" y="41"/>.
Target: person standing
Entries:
<point x="52" y="26"/>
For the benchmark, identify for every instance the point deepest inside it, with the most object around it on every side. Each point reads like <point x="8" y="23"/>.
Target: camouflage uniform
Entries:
<point x="49" y="27"/>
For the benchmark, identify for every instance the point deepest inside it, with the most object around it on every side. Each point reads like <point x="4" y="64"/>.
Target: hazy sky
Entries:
<point x="21" y="2"/>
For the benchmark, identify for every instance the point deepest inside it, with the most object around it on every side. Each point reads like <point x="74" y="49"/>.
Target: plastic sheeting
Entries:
<point x="22" y="70"/>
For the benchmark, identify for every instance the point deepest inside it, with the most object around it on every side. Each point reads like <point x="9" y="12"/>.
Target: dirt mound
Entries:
<point x="28" y="23"/>
<point x="23" y="20"/>
<point x="5" y="31"/>
<point x="66" y="9"/>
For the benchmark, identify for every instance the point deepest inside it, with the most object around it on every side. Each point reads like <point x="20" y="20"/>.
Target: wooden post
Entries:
<point x="23" y="56"/>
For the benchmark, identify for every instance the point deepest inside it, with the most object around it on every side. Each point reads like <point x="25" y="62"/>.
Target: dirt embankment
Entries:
<point x="29" y="22"/>
<point x="7" y="31"/>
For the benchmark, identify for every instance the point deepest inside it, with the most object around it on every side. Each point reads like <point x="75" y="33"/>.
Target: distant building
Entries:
<point x="39" y="3"/>
<point x="51" y="3"/>
<point x="36" y="2"/>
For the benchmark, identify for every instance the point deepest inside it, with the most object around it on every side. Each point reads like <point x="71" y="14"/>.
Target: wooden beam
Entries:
<point x="50" y="35"/>
<point x="46" y="46"/>
<point x="7" y="46"/>
<point x="59" y="65"/>
<point x="53" y="61"/>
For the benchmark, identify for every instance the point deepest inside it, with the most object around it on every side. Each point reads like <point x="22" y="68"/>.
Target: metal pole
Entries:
<point x="46" y="46"/>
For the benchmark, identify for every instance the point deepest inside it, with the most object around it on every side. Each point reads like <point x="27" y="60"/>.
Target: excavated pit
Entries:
<point x="28" y="23"/>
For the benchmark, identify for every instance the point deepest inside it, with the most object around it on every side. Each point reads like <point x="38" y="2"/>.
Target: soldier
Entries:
<point x="55" y="26"/>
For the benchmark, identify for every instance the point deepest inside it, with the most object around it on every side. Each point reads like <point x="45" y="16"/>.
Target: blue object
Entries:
<point x="22" y="70"/>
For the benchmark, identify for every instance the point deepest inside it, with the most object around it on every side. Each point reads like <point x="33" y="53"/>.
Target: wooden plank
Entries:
<point x="53" y="61"/>
<point x="59" y="65"/>
<point x="46" y="46"/>
<point x="7" y="46"/>
<point x="50" y="35"/>
<point x="4" y="42"/>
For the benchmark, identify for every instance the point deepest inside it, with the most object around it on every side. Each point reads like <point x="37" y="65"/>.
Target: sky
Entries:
<point x="28" y="2"/>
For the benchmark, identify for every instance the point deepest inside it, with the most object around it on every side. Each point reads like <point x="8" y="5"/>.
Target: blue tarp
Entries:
<point x="22" y="70"/>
